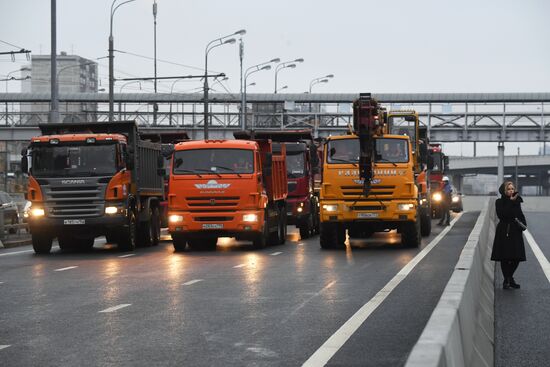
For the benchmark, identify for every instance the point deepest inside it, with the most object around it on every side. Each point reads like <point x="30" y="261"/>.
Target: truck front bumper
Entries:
<point x="217" y="224"/>
<point x="391" y="211"/>
<point x="90" y="226"/>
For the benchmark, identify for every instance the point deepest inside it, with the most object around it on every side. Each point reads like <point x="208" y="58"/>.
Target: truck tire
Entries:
<point x="425" y="223"/>
<point x="41" y="244"/>
<point x="87" y="244"/>
<point x="333" y="235"/>
<point x="179" y="242"/>
<point x="283" y="228"/>
<point x="202" y="244"/>
<point x="155" y="227"/>
<point x="306" y="227"/>
<point x="410" y="235"/>
<point x="110" y="238"/>
<point x="316" y="219"/>
<point x="65" y="243"/>
<point x="127" y="236"/>
<point x="261" y="239"/>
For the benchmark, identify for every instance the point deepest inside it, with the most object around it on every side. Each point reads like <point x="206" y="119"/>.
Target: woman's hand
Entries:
<point x="514" y="196"/>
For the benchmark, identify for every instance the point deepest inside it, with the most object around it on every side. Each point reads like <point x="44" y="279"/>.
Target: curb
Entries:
<point x="460" y="331"/>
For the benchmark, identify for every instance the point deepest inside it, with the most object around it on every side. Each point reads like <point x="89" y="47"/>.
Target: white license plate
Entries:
<point x="367" y="215"/>
<point x="74" y="221"/>
<point x="212" y="226"/>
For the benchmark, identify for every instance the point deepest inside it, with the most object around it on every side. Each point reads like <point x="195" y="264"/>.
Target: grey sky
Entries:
<point x="376" y="46"/>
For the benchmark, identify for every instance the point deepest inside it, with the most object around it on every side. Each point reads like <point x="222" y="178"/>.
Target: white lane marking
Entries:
<point x="16" y="252"/>
<point x="543" y="261"/>
<point x="4" y="346"/>
<point x="239" y="266"/>
<point x="114" y="308"/>
<point x="67" y="268"/>
<point x="337" y="340"/>
<point x="276" y="253"/>
<point x="1" y="282"/>
<point x="193" y="281"/>
<point x="128" y="255"/>
<point x="301" y="244"/>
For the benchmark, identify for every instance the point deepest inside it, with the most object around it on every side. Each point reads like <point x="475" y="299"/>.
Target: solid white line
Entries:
<point x="337" y="340"/>
<point x="128" y="255"/>
<point x="67" y="268"/>
<point x="276" y="253"/>
<point x="193" y="281"/>
<point x="301" y="244"/>
<point x="4" y="346"/>
<point x="114" y="308"/>
<point x="1" y="282"/>
<point x="16" y="252"/>
<point x="239" y="266"/>
<point x="543" y="261"/>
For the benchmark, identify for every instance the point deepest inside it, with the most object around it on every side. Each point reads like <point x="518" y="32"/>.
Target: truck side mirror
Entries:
<point x="160" y="161"/>
<point x="446" y="163"/>
<point x="129" y="160"/>
<point x="161" y="172"/>
<point x="24" y="161"/>
<point x="430" y="162"/>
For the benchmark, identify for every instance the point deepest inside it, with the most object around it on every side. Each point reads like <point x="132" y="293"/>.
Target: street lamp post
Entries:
<point x="323" y="79"/>
<point x="211" y="45"/>
<point x="283" y="65"/>
<point x="111" y="59"/>
<point x="155" y="105"/>
<point x="248" y="71"/>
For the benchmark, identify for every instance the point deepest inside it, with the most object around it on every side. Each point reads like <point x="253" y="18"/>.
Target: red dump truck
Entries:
<point x="93" y="179"/>
<point x="302" y="164"/>
<point x="227" y="188"/>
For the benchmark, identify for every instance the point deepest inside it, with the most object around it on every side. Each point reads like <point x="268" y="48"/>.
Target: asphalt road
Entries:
<point x="522" y="317"/>
<point x="232" y="307"/>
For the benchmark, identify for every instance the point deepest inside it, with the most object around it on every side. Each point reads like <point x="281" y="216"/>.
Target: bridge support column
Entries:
<point x="500" y="176"/>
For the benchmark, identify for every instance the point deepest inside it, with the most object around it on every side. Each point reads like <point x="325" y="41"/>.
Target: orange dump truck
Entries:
<point x="227" y="188"/>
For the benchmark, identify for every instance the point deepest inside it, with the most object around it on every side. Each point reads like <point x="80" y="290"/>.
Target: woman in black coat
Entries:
<point x="508" y="247"/>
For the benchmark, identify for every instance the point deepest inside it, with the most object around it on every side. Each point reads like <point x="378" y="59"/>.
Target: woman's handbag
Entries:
<point x="520" y="224"/>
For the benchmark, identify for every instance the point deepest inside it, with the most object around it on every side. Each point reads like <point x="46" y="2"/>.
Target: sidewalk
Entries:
<point x="15" y="240"/>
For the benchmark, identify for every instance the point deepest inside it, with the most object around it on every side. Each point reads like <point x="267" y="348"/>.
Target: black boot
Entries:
<point x="506" y="284"/>
<point x="513" y="284"/>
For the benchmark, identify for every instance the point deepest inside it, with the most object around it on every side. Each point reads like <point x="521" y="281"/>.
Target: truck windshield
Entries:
<point x="437" y="160"/>
<point x="217" y="161"/>
<point x="343" y="151"/>
<point x="399" y="125"/>
<point x="295" y="165"/>
<point x="392" y="150"/>
<point x="74" y="160"/>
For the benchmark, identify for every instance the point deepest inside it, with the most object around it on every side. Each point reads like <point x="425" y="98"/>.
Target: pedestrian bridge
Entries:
<point x="527" y="164"/>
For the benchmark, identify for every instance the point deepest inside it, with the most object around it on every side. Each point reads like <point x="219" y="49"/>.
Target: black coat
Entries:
<point x="508" y="243"/>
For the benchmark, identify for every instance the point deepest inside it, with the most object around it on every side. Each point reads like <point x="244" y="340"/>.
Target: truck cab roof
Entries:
<point x="213" y="144"/>
<point x="78" y="137"/>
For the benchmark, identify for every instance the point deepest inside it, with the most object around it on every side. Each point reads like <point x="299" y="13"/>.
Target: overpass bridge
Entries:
<point x="532" y="170"/>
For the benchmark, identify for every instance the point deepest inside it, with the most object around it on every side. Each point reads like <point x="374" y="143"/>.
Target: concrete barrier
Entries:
<point x="460" y="331"/>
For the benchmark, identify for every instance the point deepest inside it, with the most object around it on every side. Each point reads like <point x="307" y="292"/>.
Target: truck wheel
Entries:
<point x="316" y="219"/>
<point x="127" y="236"/>
<point x="333" y="235"/>
<point x="425" y="223"/>
<point x="154" y="227"/>
<point x="144" y="230"/>
<point x="306" y="228"/>
<point x="41" y="244"/>
<point x="261" y="239"/>
<point x="179" y="242"/>
<point x="410" y="235"/>
<point x="110" y="238"/>
<point x="87" y="244"/>
<point x="282" y="220"/>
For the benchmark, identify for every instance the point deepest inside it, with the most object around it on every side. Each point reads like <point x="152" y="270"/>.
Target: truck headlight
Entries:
<point x="175" y="218"/>
<point x="405" y="206"/>
<point x="37" y="212"/>
<point x="111" y="210"/>
<point x="437" y="196"/>
<point x="455" y="199"/>
<point x="250" y="218"/>
<point x="330" y="207"/>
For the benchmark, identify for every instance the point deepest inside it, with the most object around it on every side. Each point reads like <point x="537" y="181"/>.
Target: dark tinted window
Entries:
<point x="387" y="150"/>
<point x="213" y="161"/>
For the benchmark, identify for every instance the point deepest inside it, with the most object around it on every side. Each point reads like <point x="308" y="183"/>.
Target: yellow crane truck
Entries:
<point x="369" y="179"/>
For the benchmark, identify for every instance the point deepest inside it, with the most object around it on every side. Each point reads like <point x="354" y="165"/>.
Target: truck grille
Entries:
<point x="213" y="219"/>
<point x="225" y="202"/>
<point x="378" y="190"/>
<point x="78" y="201"/>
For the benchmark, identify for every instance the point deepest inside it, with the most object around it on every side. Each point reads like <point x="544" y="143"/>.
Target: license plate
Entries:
<point x="212" y="226"/>
<point x="74" y="221"/>
<point x="367" y="215"/>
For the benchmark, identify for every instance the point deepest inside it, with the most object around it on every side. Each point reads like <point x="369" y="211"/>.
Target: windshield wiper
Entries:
<point x="334" y="160"/>
<point x="187" y="170"/>
<point x="383" y="160"/>
<point x="229" y="169"/>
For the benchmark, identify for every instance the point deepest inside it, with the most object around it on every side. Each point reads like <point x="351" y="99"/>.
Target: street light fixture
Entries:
<point x="323" y="79"/>
<point x="211" y="45"/>
<point x="130" y="82"/>
<point x="285" y="87"/>
<point x="111" y="59"/>
<point x="250" y="70"/>
<point x="283" y="65"/>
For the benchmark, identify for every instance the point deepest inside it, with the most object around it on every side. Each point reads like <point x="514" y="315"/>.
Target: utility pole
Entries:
<point x="155" y="105"/>
<point x="243" y="107"/>
<point x="54" y="104"/>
